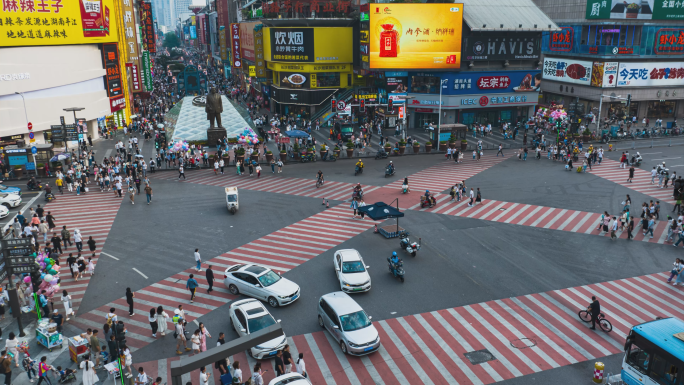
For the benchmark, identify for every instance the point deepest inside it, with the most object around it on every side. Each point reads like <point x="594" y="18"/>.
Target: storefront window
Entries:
<point x="425" y="84"/>
<point x="424" y="119"/>
<point x="328" y="79"/>
<point x="619" y="110"/>
<point x="611" y="35"/>
<point x="660" y="109"/>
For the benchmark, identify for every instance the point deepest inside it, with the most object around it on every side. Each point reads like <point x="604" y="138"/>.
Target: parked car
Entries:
<point x="290" y="379"/>
<point x="4" y="211"/>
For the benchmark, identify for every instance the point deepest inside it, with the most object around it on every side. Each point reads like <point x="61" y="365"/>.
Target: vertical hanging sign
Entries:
<point x="235" y="44"/>
<point x="113" y="76"/>
<point x="147" y="71"/>
<point x="259" y="52"/>
<point x="146" y="24"/>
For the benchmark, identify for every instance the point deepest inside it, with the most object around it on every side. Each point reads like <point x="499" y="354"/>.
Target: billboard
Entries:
<point x="247" y="40"/>
<point x="501" y="46"/>
<point x="110" y="55"/>
<point x="259" y="52"/>
<point x="222" y="43"/>
<point x="131" y="32"/>
<point x="146" y="24"/>
<point x="642" y="10"/>
<point x="486" y="82"/>
<point x="567" y="70"/>
<point x="650" y="74"/>
<point x="309" y="45"/>
<point x="418" y="36"/>
<point x="235" y="44"/>
<point x="669" y="41"/>
<point x="57" y="22"/>
<point x="604" y="74"/>
<point x="193" y="32"/>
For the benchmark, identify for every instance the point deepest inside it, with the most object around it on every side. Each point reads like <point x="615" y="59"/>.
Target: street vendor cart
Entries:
<point x="47" y="334"/>
<point x="78" y="347"/>
<point x="232" y="199"/>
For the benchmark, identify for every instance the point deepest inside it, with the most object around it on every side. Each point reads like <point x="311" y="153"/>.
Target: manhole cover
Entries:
<point x="523" y="343"/>
<point x="479" y="356"/>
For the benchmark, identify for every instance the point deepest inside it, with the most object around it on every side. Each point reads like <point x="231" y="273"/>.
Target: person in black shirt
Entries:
<point x="279" y="363"/>
<point x="287" y="359"/>
<point x="594" y="309"/>
<point x="70" y="261"/>
<point x="222" y="364"/>
<point x="129" y="300"/>
<point x="58" y="319"/>
<point x="210" y="279"/>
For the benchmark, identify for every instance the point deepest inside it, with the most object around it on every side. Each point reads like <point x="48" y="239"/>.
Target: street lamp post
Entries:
<point x="442" y="82"/>
<point x="27" y="122"/>
<point x="71" y="109"/>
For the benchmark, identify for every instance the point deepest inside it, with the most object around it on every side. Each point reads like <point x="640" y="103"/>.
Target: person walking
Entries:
<point x="180" y="336"/>
<point x="301" y="366"/>
<point x="222" y="164"/>
<point x="66" y="237"/>
<point x="68" y="308"/>
<point x="195" y="339"/>
<point x="258" y="375"/>
<point x="181" y="171"/>
<point x="472" y="198"/>
<point x="131" y="194"/>
<point x="631" y="174"/>
<point x="162" y="319"/>
<point x="238" y="164"/>
<point x="198" y="261"/>
<point x="148" y="193"/>
<point x="258" y="170"/>
<point x="209" y="274"/>
<point x="478" y="197"/>
<point x="95" y="347"/>
<point x="43" y="229"/>
<point x="280" y="166"/>
<point x="192" y="285"/>
<point x="43" y="369"/>
<point x="216" y="167"/>
<point x="78" y="240"/>
<point x="129" y="300"/>
<point x="287" y="359"/>
<point x="204" y="333"/>
<point x="500" y="151"/>
<point x="273" y="163"/>
<point x="153" y="322"/>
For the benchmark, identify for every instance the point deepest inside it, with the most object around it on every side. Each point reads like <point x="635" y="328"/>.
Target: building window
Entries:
<point x="660" y="109"/>
<point x="328" y="79"/>
<point x="611" y="35"/>
<point x="425" y="84"/>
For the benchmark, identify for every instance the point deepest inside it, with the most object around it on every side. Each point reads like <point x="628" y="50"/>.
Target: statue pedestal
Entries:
<point x="214" y="134"/>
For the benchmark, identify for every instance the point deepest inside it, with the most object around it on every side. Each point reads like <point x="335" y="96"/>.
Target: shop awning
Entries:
<point x="514" y="15"/>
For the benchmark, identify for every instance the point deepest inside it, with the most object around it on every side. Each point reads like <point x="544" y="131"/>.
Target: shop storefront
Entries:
<point x="472" y="97"/>
<point x="306" y="70"/>
<point x="79" y="83"/>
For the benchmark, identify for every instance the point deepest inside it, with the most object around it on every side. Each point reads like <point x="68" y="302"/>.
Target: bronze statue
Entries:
<point x="214" y="108"/>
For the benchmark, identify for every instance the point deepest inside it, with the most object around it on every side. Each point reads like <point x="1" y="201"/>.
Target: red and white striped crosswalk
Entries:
<point x="610" y="170"/>
<point x="525" y="335"/>
<point x="269" y="182"/>
<point x="447" y="173"/>
<point x="574" y="221"/>
<point x="93" y="214"/>
<point x="281" y="251"/>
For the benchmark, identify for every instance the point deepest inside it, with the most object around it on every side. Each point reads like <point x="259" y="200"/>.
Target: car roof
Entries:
<point x="349" y="255"/>
<point x="341" y="300"/>
<point x="251" y="304"/>
<point x="255" y="269"/>
<point x="290" y="378"/>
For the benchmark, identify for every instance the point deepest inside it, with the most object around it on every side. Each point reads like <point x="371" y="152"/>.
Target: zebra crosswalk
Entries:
<point x="574" y="221"/>
<point x="93" y="214"/>
<point x="447" y="173"/>
<point x="515" y="336"/>
<point x="269" y="182"/>
<point x="610" y="170"/>
<point x="277" y="251"/>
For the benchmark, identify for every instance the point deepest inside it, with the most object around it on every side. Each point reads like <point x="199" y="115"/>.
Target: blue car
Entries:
<point x="10" y="190"/>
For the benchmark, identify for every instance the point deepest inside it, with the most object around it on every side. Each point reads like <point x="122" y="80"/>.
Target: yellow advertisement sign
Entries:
<point x="309" y="44"/>
<point x="252" y="71"/>
<point x="192" y="20"/>
<point x="418" y="36"/>
<point x="57" y="22"/>
<point x="222" y="43"/>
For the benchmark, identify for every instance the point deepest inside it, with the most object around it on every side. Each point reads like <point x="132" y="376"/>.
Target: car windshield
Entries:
<point x="258" y="323"/>
<point x="353" y="267"/>
<point x="348" y="129"/>
<point x="269" y="278"/>
<point x="355" y="321"/>
<point x="232" y="198"/>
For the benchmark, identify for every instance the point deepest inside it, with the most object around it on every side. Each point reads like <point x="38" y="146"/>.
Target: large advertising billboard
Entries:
<point x="417" y="36"/>
<point x="567" y="70"/>
<point x="632" y="9"/>
<point x="247" y="40"/>
<point x="57" y="22"/>
<point x="501" y="46"/>
<point x="650" y="74"/>
<point x="309" y="45"/>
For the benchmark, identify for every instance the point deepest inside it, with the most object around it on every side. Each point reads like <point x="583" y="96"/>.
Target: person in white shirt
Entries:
<point x="198" y="260"/>
<point x="142" y="377"/>
<point x="204" y="376"/>
<point x="301" y="366"/>
<point x="237" y="372"/>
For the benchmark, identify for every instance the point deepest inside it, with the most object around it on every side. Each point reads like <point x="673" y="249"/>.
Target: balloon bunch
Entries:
<point x="248" y="136"/>
<point x="178" y="146"/>
<point x="559" y="114"/>
<point x="49" y="275"/>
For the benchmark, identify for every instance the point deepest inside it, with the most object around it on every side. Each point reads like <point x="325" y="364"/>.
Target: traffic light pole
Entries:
<point x="598" y="118"/>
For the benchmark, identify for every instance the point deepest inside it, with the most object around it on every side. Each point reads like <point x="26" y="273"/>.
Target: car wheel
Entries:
<point x="320" y="322"/>
<point x="273" y="302"/>
<point x="233" y="290"/>
<point x="343" y="347"/>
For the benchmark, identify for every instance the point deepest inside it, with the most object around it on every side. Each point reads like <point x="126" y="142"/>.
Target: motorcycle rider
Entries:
<point x="390" y="166"/>
<point x="405" y="185"/>
<point x="359" y="164"/>
<point x="429" y="197"/>
<point x="395" y="258"/>
<point x="32" y="183"/>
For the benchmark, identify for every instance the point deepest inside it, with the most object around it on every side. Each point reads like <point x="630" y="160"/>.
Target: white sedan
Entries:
<point x="351" y="271"/>
<point x="262" y="283"/>
<point x="10" y="200"/>
<point x="249" y="316"/>
<point x="4" y="211"/>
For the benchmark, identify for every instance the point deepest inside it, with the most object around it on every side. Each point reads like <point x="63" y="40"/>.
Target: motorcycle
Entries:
<point x="330" y="158"/>
<point x="406" y="244"/>
<point x="319" y="183"/>
<point x="35" y="186"/>
<point x="358" y="170"/>
<point x="49" y="197"/>
<point x="396" y="270"/>
<point x="389" y="171"/>
<point x="404" y="188"/>
<point x="427" y="202"/>
<point x="308" y="158"/>
<point x="381" y="154"/>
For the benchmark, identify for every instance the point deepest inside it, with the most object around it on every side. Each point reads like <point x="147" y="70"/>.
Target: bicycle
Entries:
<point x="319" y="183"/>
<point x="604" y="324"/>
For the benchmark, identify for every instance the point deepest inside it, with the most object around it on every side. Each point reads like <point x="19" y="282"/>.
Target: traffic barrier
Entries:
<point x="598" y="372"/>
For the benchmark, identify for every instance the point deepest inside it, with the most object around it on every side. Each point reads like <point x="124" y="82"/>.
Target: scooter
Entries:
<point x="406" y="244"/>
<point x="381" y="154"/>
<point x="35" y="186"/>
<point x="49" y="197"/>
<point x="396" y="270"/>
<point x="358" y="170"/>
<point x="404" y="188"/>
<point x="389" y="171"/>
